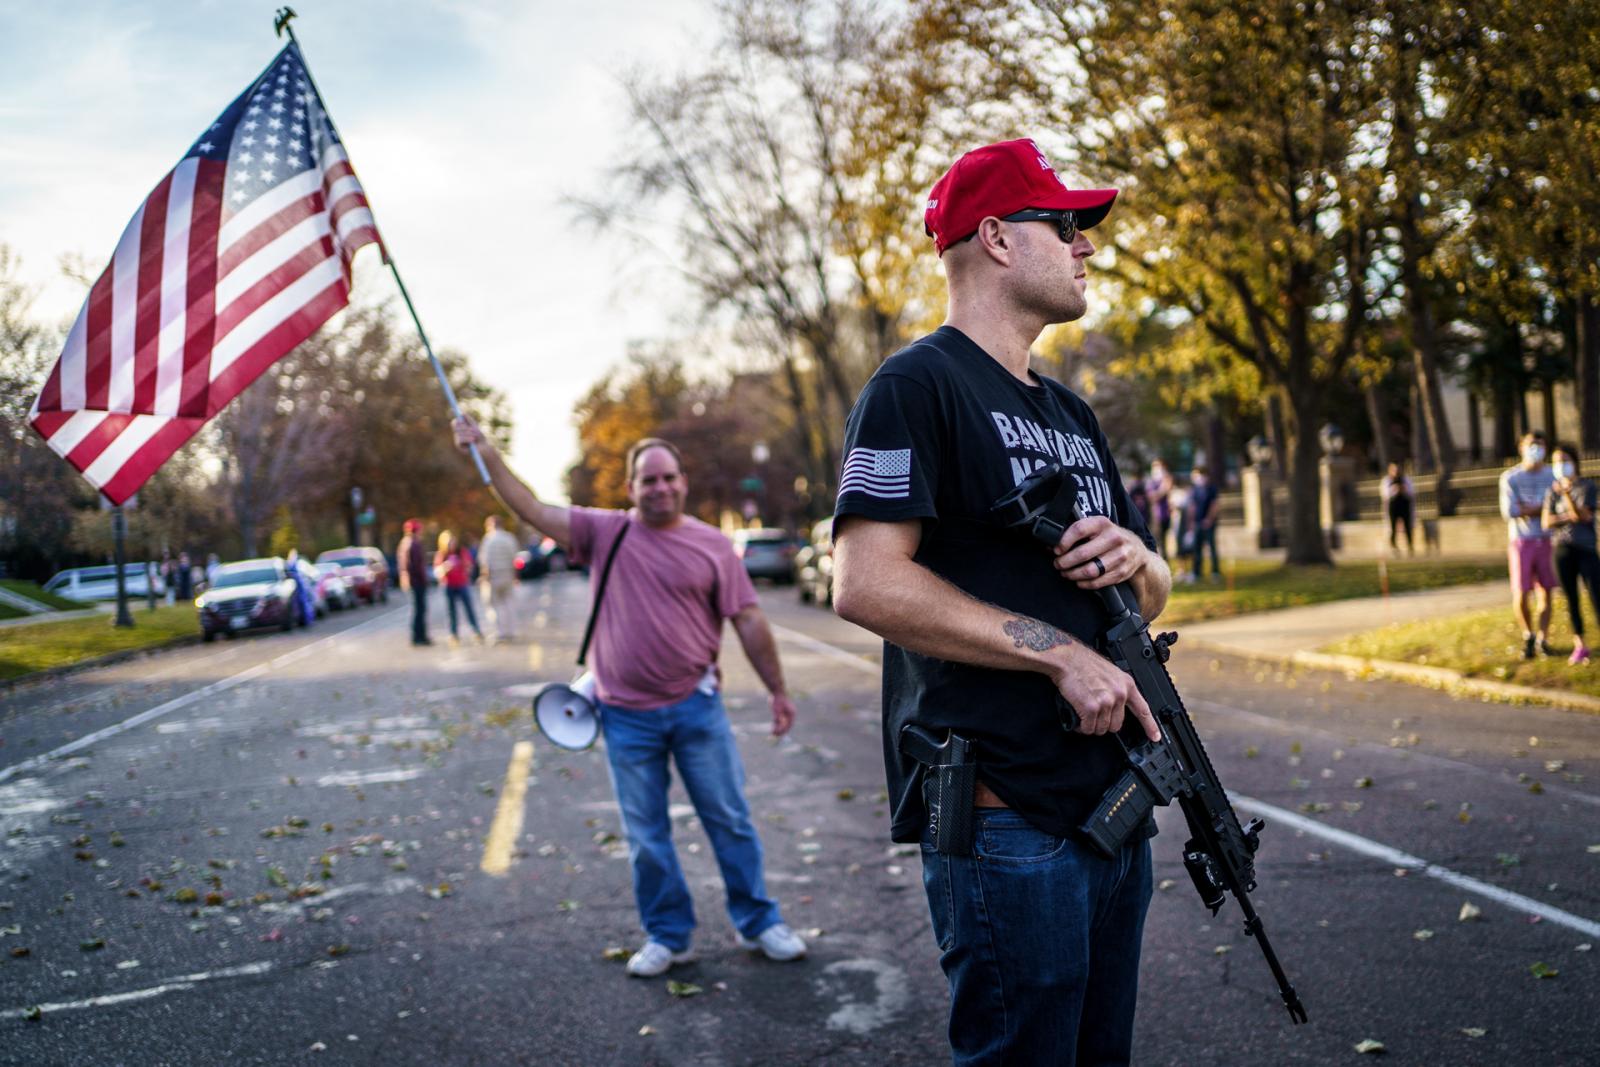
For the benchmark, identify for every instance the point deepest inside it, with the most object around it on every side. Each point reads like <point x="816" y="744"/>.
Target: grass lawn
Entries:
<point x="1261" y="585"/>
<point x="26" y="649"/>
<point x="33" y="592"/>
<point x="1481" y="644"/>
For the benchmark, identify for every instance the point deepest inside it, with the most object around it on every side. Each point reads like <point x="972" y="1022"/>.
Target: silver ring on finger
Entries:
<point x="1100" y="565"/>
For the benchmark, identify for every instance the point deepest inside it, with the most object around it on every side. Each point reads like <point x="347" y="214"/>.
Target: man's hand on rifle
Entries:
<point x="1095" y="553"/>
<point x="1101" y="693"/>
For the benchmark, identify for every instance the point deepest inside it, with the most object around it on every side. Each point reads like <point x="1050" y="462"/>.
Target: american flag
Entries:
<point x="239" y="254"/>
<point x="885" y="474"/>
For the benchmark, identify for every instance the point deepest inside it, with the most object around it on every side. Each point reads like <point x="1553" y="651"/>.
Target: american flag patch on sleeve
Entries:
<point x="875" y="473"/>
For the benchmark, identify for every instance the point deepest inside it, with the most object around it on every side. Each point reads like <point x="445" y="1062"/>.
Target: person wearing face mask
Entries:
<point x="1203" y="504"/>
<point x="1568" y="514"/>
<point x="1523" y="489"/>
<point x="673" y="580"/>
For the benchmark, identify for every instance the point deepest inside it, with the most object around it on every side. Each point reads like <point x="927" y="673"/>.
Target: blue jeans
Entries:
<point x="1039" y="937"/>
<point x="1202" y="538"/>
<point x="696" y="735"/>
<point x="461" y="595"/>
<point x="419" y="614"/>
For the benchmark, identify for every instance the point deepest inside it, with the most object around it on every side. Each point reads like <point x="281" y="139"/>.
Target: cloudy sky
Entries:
<point x="468" y="121"/>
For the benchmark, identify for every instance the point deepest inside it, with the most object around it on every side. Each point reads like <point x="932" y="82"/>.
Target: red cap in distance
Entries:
<point x="1000" y="179"/>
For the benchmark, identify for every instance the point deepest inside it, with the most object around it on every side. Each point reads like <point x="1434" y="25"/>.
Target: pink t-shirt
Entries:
<point x="660" y="626"/>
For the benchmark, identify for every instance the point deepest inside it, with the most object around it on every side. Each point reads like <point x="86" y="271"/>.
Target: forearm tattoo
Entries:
<point x="1036" y="635"/>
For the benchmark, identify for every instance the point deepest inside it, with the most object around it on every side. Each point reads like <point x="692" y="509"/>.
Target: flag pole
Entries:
<point x="280" y="25"/>
<point x="119" y="533"/>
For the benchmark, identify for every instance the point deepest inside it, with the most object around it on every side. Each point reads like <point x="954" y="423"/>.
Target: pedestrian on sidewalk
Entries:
<point x="673" y="581"/>
<point x="1398" y="496"/>
<point x="1204" y="501"/>
<point x="411" y="559"/>
<point x="1158" y="494"/>
<point x="452" y="564"/>
<point x="1568" y="514"/>
<point x="497" y="564"/>
<point x="986" y="632"/>
<point x="1523" y="489"/>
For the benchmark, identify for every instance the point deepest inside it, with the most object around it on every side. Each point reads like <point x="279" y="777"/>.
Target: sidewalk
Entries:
<point x="1294" y="634"/>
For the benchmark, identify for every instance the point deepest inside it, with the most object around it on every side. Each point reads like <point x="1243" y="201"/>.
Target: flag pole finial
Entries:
<point x="280" y="21"/>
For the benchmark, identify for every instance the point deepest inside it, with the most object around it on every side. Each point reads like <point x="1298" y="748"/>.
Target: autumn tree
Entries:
<point x="797" y="215"/>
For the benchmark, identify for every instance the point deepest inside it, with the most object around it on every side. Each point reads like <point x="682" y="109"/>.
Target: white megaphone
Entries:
<point x="566" y="714"/>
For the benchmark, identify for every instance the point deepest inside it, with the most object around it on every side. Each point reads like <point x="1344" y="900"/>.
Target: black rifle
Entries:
<point x="1220" y="854"/>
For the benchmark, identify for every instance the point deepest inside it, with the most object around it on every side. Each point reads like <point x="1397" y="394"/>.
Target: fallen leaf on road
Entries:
<point x="568" y="905"/>
<point x="1423" y="935"/>
<point x="683" y="989"/>
<point x="1221" y="950"/>
<point x="1543" y="970"/>
<point x="646" y="1031"/>
<point x="1469" y="911"/>
<point x="1473" y="1031"/>
<point x="338" y="950"/>
<point x="33" y="1014"/>
<point x="1585" y="947"/>
<point x="1371" y="1046"/>
<point x="94" y="944"/>
<point x="1166" y="883"/>
<point x="318" y="1046"/>
<point x="1555" y="765"/>
<point x="846" y="794"/>
<point x="614" y="953"/>
<point x="127" y="965"/>
<point x="1363" y="782"/>
<point x="1251" y="752"/>
<point x="1537" y="788"/>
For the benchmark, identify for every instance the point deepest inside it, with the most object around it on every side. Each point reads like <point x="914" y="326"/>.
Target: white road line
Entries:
<point x="1443" y="762"/>
<point x="822" y="648"/>
<point x="35" y="762"/>
<point x="347" y="778"/>
<point x="1395" y="858"/>
<point x="171" y="985"/>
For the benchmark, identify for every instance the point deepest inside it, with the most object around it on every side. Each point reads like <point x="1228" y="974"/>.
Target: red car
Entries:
<point x="364" y="569"/>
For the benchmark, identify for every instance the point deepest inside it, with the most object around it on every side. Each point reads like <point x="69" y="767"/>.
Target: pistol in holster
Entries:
<point x="948" y="782"/>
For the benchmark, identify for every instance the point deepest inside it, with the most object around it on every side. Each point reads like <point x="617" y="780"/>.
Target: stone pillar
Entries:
<point x="1260" y="518"/>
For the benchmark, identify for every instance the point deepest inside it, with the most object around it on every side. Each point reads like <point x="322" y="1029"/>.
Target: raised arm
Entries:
<point x="550" y="519"/>
<point x="879" y="585"/>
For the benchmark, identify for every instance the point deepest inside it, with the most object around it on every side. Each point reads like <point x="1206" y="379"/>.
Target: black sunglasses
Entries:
<point x="1066" y="221"/>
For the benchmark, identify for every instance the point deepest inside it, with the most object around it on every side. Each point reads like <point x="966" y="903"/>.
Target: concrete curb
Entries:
<point x="1433" y="677"/>
<point x="50" y="616"/>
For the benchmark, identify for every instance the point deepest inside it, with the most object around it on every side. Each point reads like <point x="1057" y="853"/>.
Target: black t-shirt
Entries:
<point x="939" y="434"/>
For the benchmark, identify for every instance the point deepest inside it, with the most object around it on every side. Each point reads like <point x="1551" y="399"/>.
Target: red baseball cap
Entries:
<point x="413" y="524"/>
<point x="1000" y="179"/>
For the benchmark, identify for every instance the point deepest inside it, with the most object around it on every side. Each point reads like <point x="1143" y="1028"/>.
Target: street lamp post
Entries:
<point x="355" y="513"/>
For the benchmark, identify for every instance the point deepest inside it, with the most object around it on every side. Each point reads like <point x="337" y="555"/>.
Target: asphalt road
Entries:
<point x="271" y="851"/>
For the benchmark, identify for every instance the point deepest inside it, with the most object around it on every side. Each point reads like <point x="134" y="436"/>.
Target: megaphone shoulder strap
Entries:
<point x="600" y="591"/>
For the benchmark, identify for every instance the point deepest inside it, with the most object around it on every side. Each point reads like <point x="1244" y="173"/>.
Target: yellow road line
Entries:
<point x="507" y="826"/>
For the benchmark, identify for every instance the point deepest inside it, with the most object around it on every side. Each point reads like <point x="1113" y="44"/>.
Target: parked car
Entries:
<point x="339" y="592"/>
<point x="100" y="583"/>
<point x="540" y="558"/>
<point x="364" y="568"/>
<point x="248" y="595"/>
<point x="813" y="565"/>
<point x="766" y="553"/>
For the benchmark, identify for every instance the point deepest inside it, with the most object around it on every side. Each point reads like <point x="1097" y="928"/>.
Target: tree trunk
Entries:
<point x="1586" y="357"/>
<point x="1217" y="449"/>
<point x="1547" y="397"/>
<point x="1307" y="544"/>
<point x="1505" y="417"/>
<point x="1276" y="436"/>
<point x="1380" y="426"/>
<point x="1474" y="428"/>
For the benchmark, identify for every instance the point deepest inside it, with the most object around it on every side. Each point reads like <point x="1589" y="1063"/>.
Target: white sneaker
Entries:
<point x="776" y="942"/>
<point x="655" y="959"/>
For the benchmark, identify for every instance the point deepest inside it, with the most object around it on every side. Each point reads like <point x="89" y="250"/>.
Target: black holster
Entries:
<point x="949" y="780"/>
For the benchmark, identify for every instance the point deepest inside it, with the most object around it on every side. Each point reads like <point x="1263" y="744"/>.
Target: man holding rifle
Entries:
<point x="988" y="635"/>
